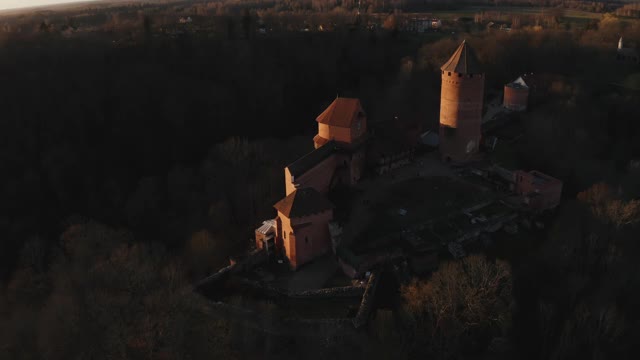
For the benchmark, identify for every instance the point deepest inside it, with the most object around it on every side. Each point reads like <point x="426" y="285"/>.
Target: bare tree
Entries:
<point x="463" y="301"/>
<point x="609" y="209"/>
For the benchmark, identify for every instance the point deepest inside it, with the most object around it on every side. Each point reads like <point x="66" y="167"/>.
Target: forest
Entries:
<point x="129" y="172"/>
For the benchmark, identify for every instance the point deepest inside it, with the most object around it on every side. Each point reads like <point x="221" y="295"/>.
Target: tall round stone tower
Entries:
<point x="461" y="105"/>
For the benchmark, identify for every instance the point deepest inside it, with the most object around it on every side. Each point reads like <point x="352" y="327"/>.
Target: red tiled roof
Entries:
<point x="341" y="113"/>
<point x="303" y="202"/>
<point x="463" y="61"/>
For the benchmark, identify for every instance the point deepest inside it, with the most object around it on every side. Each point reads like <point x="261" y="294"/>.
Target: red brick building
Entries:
<point x="516" y="95"/>
<point x="302" y="226"/>
<point x="343" y="121"/>
<point x="339" y="157"/>
<point x="461" y="103"/>
<point x="540" y="191"/>
<point x="301" y="229"/>
<point x="315" y="169"/>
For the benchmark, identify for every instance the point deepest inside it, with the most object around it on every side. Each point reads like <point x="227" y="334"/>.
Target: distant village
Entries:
<point x="361" y="204"/>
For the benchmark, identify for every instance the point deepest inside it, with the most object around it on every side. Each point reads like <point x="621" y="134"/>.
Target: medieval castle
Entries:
<point x="301" y="229"/>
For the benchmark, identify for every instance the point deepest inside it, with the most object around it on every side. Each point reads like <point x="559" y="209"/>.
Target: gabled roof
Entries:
<point x="303" y="202"/>
<point x="311" y="159"/>
<point x="463" y="61"/>
<point x="342" y="112"/>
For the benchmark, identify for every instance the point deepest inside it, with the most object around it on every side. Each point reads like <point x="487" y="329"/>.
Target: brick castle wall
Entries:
<point x="460" y="115"/>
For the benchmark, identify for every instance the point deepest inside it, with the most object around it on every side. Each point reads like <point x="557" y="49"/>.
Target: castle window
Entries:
<point x="306" y="240"/>
<point x="449" y="74"/>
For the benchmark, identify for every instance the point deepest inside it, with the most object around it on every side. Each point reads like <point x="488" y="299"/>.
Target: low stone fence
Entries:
<point x="253" y="259"/>
<point x="216" y="277"/>
<point x="331" y="293"/>
<point x="275" y="292"/>
<point x="271" y="322"/>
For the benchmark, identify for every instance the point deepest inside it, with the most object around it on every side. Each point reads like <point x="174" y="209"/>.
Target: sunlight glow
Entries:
<point x="16" y="4"/>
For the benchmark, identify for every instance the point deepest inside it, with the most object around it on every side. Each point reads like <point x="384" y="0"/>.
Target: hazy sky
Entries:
<point x="14" y="4"/>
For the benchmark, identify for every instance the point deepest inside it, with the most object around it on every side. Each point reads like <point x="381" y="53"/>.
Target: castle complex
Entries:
<point x="301" y="229"/>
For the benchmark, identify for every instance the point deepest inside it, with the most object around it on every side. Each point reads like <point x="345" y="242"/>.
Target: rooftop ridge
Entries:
<point x="311" y="159"/>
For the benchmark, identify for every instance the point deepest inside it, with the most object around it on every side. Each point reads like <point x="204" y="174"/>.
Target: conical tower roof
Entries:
<point x="463" y="61"/>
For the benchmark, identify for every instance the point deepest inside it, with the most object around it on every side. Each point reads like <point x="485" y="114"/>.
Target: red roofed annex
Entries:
<point x="302" y="225"/>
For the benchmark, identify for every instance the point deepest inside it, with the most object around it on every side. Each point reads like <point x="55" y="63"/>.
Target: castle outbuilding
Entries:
<point x="516" y="95"/>
<point x="540" y="191"/>
<point x="302" y="225"/>
<point x="461" y="104"/>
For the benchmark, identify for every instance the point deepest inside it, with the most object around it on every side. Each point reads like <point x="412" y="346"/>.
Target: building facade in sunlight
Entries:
<point x="461" y="103"/>
<point x="301" y="229"/>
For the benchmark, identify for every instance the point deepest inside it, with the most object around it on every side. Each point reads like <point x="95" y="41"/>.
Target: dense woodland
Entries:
<point x="128" y="172"/>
